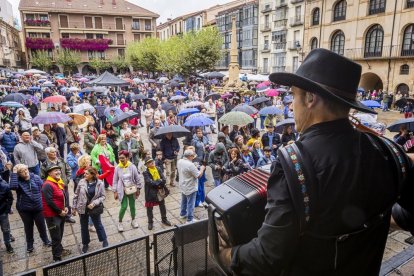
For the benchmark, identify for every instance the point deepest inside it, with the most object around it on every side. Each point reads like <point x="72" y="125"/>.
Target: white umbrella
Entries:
<point x="4" y="86"/>
<point x="73" y="89"/>
<point x="34" y="71"/>
<point x="81" y="108"/>
<point x="163" y="79"/>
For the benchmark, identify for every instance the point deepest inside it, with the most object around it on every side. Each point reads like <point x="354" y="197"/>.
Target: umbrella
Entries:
<point x="150" y="81"/>
<point x="214" y="75"/>
<point x="259" y="101"/>
<point x="167" y="107"/>
<point x="115" y="109"/>
<point x="48" y="118"/>
<point x="61" y="81"/>
<point x="282" y="90"/>
<point x="371" y="104"/>
<point x="403" y="101"/>
<point x="139" y="97"/>
<point x="100" y="89"/>
<point x="163" y="79"/>
<point x="395" y="127"/>
<point x="196" y="115"/>
<point x="272" y="93"/>
<point x="262" y="84"/>
<point x="187" y="111"/>
<point x="25" y="91"/>
<point x="152" y="102"/>
<point x="213" y="96"/>
<point x="55" y="99"/>
<point x="283" y="123"/>
<point x="177" y="98"/>
<point x="137" y="80"/>
<point x="236" y="118"/>
<point x="193" y="104"/>
<point x="81" y="108"/>
<point x="178" y="79"/>
<point x="174" y="84"/>
<point x="87" y="90"/>
<point x="77" y="119"/>
<point x="270" y="110"/>
<point x="14" y="97"/>
<point x="180" y="93"/>
<point x="33" y="71"/>
<point x="34" y="88"/>
<point x="129" y="80"/>
<point x="177" y="131"/>
<point x="198" y="121"/>
<point x="245" y="108"/>
<point x="253" y="82"/>
<point x="5" y="86"/>
<point x="11" y="104"/>
<point x="83" y="80"/>
<point x="48" y="84"/>
<point x="226" y="95"/>
<point x="73" y="89"/>
<point x="262" y="89"/>
<point x="125" y="116"/>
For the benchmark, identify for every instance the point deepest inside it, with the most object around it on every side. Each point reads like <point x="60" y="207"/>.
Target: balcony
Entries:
<point x="136" y="26"/>
<point x="280" y="23"/>
<point x="296" y="1"/>
<point x="378" y="53"/>
<point x="37" y="22"/>
<point x="266" y="28"/>
<point x="6" y="62"/>
<point x="294" y="45"/>
<point x="80" y="25"/>
<point x="279" y="46"/>
<point x="295" y="21"/>
<point x="281" y="4"/>
<point x="121" y="42"/>
<point x="266" y="8"/>
<point x="35" y="43"/>
<point x="149" y="28"/>
<point x="265" y="49"/>
<point x="99" y="45"/>
<point x="278" y="69"/>
<point x="376" y="10"/>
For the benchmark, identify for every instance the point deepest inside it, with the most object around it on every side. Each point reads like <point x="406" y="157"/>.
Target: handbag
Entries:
<point x="162" y="193"/>
<point x="96" y="210"/>
<point x="131" y="190"/>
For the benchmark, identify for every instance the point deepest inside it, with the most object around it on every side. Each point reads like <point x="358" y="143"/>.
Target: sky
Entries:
<point x="165" y="8"/>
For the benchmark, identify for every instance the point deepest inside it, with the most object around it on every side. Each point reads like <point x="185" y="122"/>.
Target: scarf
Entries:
<point x="59" y="182"/>
<point x="122" y="166"/>
<point x="154" y="173"/>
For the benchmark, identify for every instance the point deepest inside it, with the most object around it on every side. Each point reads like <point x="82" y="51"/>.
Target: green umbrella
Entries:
<point x="236" y="118"/>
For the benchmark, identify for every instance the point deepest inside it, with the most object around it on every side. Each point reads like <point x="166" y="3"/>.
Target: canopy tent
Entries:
<point x="107" y="79"/>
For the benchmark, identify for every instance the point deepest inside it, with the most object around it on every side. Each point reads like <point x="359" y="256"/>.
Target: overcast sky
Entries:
<point x="165" y="8"/>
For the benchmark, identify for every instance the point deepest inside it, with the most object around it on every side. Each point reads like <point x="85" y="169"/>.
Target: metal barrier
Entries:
<point x="127" y="258"/>
<point x="183" y="251"/>
<point x="28" y="273"/>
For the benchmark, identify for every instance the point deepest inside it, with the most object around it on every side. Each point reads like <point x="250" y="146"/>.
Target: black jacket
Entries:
<point x="152" y="186"/>
<point x="6" y="197"/>
<point x="275" y="140"/>
<point x="354" y="183"/>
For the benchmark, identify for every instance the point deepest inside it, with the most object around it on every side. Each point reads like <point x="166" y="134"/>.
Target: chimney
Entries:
<point x="113" y="2"/>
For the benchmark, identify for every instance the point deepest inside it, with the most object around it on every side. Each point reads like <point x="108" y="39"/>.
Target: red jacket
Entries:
<point x="53" y="199"/>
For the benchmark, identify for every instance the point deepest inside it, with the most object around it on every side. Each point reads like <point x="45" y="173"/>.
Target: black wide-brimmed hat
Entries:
<point x="328" y="74"/>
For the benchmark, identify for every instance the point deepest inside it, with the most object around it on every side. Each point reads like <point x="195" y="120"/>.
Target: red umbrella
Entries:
<point x="272" y="93"/>
<point x="61" y="81"/>
<point x="55" y="99"/>
<point x="129" y="80"/>
<point x="263" y="84"/>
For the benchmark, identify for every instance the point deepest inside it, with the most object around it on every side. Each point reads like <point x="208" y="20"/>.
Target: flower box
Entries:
<point x="37" y="22"/>
<point x="98" y="45"/>
<point x="39" y="43"/>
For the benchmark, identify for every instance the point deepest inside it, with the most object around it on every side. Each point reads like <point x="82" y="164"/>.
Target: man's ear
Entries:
<point x="309" y="98"/>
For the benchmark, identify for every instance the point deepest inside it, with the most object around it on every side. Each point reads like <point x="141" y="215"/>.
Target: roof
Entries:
<point x="107" y="79"/>
<point x="122" y="7"/>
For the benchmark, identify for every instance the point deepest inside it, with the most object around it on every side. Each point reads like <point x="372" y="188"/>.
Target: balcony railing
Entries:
<point x="104" y="26"/>
<point x="37" y="22"/>
<point x="85" y="44"/>
<point x="265" y="28"/>
<point x="136" y="26"/>
<point x="149" y="28"/>
<point x="295" y="21"/>
<point x="385" y="52"/>
<point x="339" y="17"/>
<point x="6" y="62"/>
<point x="39" y="43"/>
<point x="278" y="69"/>
<point x="279" y="46"/>
<point x="295" y="1"/>
<point x="266" y="48"/>
<point x="281" y="3"/>
<point x="376" y="10"/>
<point x="294" y="45"/>
<point x="266" y="8"/>
<point x="121" y="42"/>
<point x="280" y="23"/>
<point x="410" y="4"/>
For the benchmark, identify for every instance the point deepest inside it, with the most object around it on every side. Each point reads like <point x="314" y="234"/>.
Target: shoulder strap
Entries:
<point x="299" y="174"/>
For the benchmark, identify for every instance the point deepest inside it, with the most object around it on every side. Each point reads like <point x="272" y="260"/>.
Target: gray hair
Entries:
<point x="189" y="152"/>
<point x="49" y="149"/>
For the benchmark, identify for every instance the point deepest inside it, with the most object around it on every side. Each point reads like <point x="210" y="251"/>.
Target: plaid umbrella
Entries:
<point x="55" y="99"/>
<point x="236" y="118"/>
<point x="48" y="118"/>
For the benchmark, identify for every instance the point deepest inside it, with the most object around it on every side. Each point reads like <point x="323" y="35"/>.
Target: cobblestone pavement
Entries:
<point x="21" y="261"/>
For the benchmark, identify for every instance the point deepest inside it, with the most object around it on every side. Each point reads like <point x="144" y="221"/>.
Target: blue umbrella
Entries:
<point x="178" y="79"/>
<point x="180" y="93"/>
<point x="270" y="110"/>
<point x="187" y="111"/>
<point x="34" y="88"/>
<point x="197" y="115"/>
<point x="395" y="127"/>
<point x="11" y="104"/>
<point x="198" y="122"/>
<point x="371" y="103"/>
<point x="177" y="98"/>
<point x="283" y="123"/>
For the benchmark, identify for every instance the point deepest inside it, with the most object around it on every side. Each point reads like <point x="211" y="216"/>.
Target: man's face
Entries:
<point x="270" y="129"/>
<point x="26" y="137"/>
<point x="169" y="136"/>
<point x="52" y="154"/>
<point x="56" y="174"/>
<point x="36" y="133"/>
<point x="7" y="128"/>
<point x="199" y="134"/>
<point x="157" y="124"/>
<point x="299" y="108"/>
<point x="127" y="136"/>
<point x="267" y="154"/>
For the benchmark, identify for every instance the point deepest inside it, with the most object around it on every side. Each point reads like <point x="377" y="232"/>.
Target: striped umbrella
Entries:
<point x="48" y="118"/>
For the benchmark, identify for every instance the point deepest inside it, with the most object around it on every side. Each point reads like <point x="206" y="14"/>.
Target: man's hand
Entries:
<point x="224" y="246"/>
<point x="74" y="212"/>
<point x="90" y="206"/>
<point x="115" y="195"/>
<point x="63" y="212"/>
<point x="9" y="166"/>
<point x="137" y="194"/>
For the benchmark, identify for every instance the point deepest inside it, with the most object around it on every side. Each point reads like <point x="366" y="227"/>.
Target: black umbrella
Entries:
<point x="395" y="127"/>
<point x="119" y="119"/>
<point x="214" y="96"/>
<point x="259" y="101"/>
<point x="403" y="101"/>
<point x="214" y="75"/>
<point x="245" y="108"/>
<point x="25" y="91"/>
<point x="139" y="97"/>
<point x="174" y="84"/>
<point x="152" y="102"/>
<point x="15" y="97"/>
<point x="167" y="107"/>
<point x="177" y="131"/>
<point x="283" y="123"/>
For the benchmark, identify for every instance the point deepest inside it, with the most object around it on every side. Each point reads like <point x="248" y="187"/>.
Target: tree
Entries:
<point x="144" y="55"/>
<point x="172" y="53"/>
<point x="68" y="59"/>
<point x="120" y="63"/>
<point x="99" y="64"/>
<point x="41" y="60"/>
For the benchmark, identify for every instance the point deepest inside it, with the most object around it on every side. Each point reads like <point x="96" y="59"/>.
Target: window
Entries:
<point x="65" y="36"/>
<point x="137" y="37"/>
<point x="279" y="62"/>
<point x="98" y="22"/>
<point x="266" y="43"/>
<point x="266" y="22"/>
<point x="339" y="11"/>
<point x="89" y="36"/>
<point x="314" y="43"/>
<point x="198" y="23"/>
<point x="404" y="69"/>
<point x="376" y="6"/>
<point x="338" y="42"/>
<point x="410" y="4"/>
<point x="64" y="22"/>
<point x="120" y="39"/>
<point x="265" y="66"/>
<point x="315" y="17"/>
<point x="298" y="15"/>
<point x="88" y="22"/>
<point x="408" y="41"/>
<point x="121" y="52"/>
<point x="94" y="54"/>
<point x="30" y="16"/>
<point x="135" y="24"/>
<point x="373" y="41"/>
<point x="43" y="17"/>
<point x="295" y="64"/>
<point x="119" y="24"/>
<point x="149" y="28"/>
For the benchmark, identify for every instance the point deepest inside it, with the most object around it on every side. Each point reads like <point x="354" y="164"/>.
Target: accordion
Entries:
<point x="238" y="205"/>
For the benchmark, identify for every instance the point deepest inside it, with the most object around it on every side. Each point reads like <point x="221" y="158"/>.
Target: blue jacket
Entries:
<point x="72" y="161"/>
<point x="29" y="193"/>
<point x="264" y="161"/>
<point x="9" y="141"/>
<point x="200" y="147"/>
<point x="248" y="160"/>
<point x="6" y="197"/>
<point x="168" y="147"/>
<point x="60" y="135"/>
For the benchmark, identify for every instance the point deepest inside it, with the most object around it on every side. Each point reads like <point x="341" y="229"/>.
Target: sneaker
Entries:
<point x="91" y="228"/>
<point x="47" y="244"/>
<point x="183" y="217"/>
<point x="134" y="223"/>
<point x="66" y="252"/>
<point x="9" y="249"/>
<point x="105" y="243"/>
<point x="70" y="220"/>
<point x="30" y="249"/>
<point x="108" y="188"/>
<point x="193" y="220"/>
<point x="166" y="222"/>
<point x="120" y="227"/>
<point x="150" y="226"/>
<point x="85" y="248"/>
<point x="57" y="259"/>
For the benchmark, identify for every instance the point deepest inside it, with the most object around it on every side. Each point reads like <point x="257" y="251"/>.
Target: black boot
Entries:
<point x="85" y="248"/>
<point x="9" y="248"/>
<point x="150" y="226"/>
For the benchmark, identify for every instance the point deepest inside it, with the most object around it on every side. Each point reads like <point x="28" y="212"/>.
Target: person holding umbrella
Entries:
<point x="170" y="147"/>
<point x="23" y="121"/>
<point x="148" y="114"/>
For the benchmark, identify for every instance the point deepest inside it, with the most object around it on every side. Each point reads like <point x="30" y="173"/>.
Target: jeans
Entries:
<point x="262" y="119"/>
<point x="124" y="205"/>
<point x="217" y="182"/>
<point x="84" y="223"/>
<point x="170" y="167"/>
<point x="56" y="226"/>
<point x="187" y="205"/>
<point x="29" y="219"/>
<point x="163" y="212"/>
<point x="35" y="169"/>
<point x="5" y="228"/>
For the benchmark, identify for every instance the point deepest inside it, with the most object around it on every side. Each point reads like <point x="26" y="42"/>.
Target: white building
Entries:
<point x="6" y="12"/>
